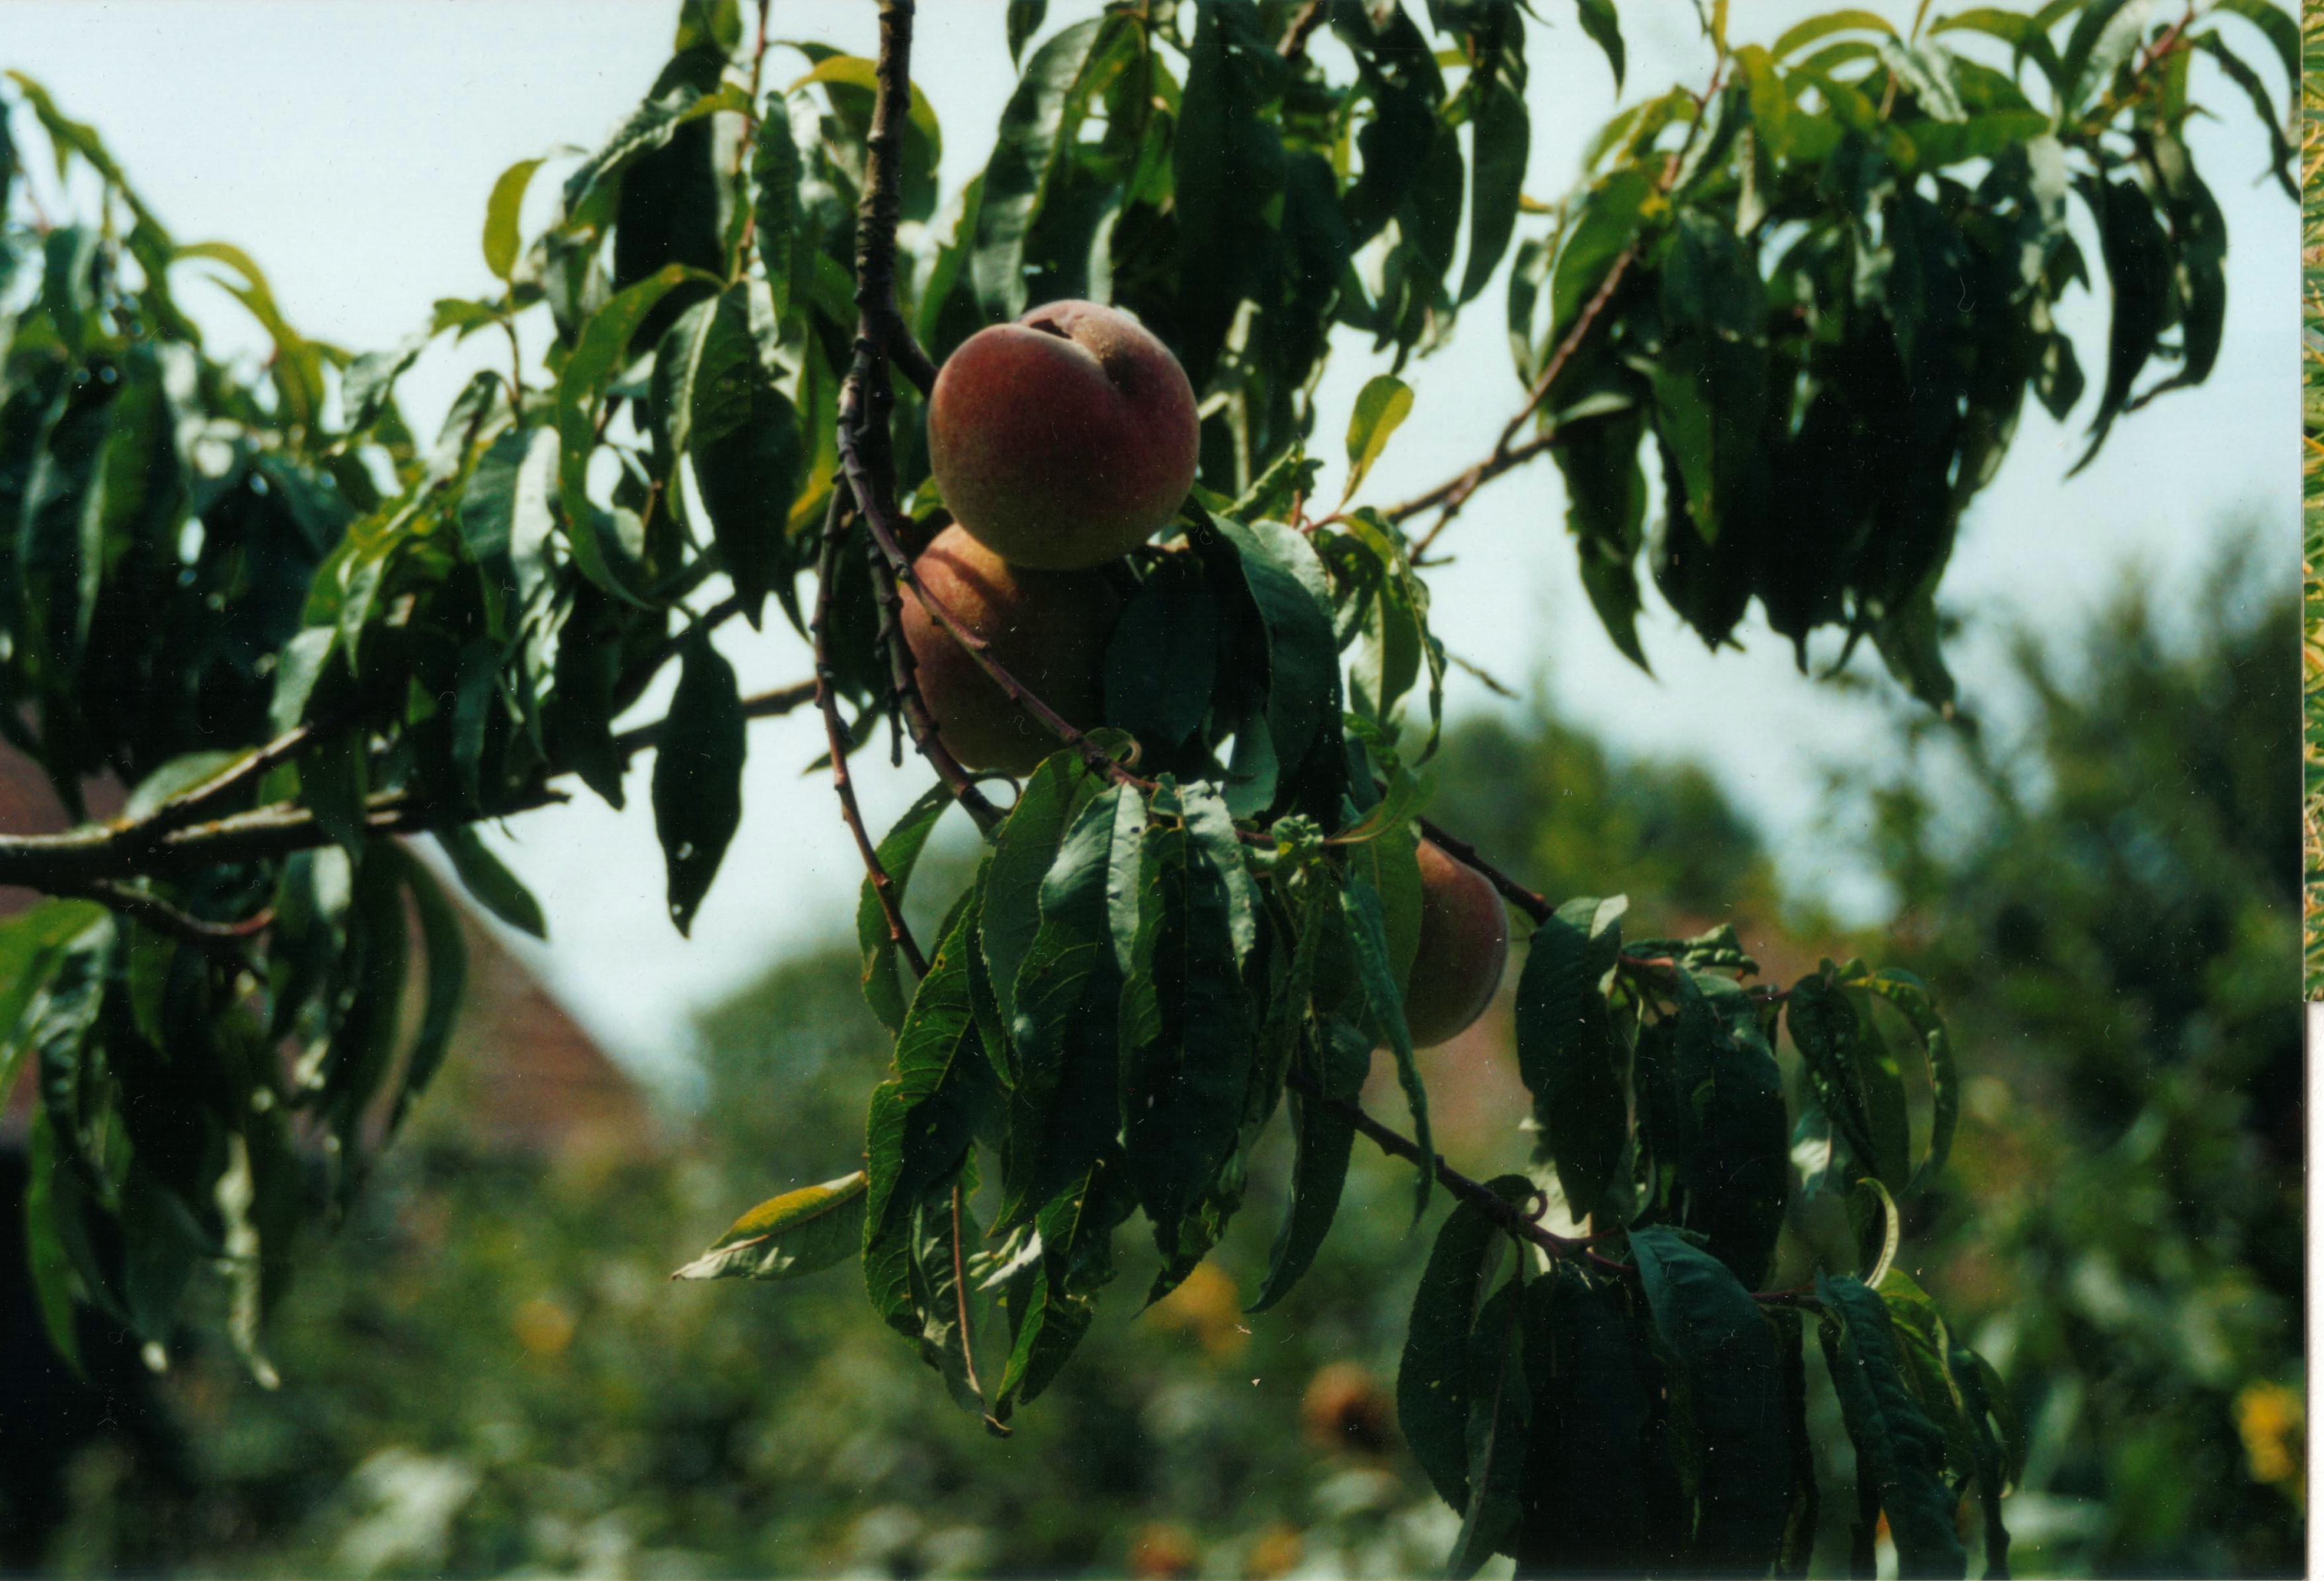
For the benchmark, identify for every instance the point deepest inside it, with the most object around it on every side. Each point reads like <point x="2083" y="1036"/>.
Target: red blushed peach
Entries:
<point x="1464" y="945"/>
<point x="1064" y="440"/>
<point x="1048" y="629"/>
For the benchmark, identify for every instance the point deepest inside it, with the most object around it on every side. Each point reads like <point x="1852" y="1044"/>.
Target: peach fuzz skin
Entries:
<point x="1464" y="947"/>
<point x="1049" y="629"/>
<point x="1064" y="440"/>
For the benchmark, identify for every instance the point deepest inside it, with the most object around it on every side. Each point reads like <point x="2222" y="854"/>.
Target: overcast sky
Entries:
<point x="349" y="148"/>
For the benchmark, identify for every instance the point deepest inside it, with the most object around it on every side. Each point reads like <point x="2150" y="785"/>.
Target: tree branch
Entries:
<point x="827" y="700"/>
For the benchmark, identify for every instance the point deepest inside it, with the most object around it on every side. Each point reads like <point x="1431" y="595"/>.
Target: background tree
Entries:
<point x="1778" y="279"/>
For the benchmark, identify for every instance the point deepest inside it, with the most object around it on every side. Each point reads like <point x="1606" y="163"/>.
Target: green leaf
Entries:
<point x="1499" y="1404"/>
<point x="924" y="1118"/>
<point x="1567" y="1053"/>
<point x="488" y="880"/>
<point x="581" y="385"/>
<point x="1738" y="1177"/>
<point x="775" y="172"/>
<point x="1606" y="512"/>
<point x="1900" y="1453"/>
<point x="742" y="436"/>
<point x="1287" y="585"/>
<point x="1075" y="1231"/>
<point x="1727" y="1375"/>
<point x="2283" y="159"/>
<point x="1938" y="144"/>
<point x="1063" y="1107"/>
<point x="34" y="945"/>
<point x="1365" y="930"/>
<point x="1024" y="20"/>
<point x="1186" y="1034"/>
<point x="799" y="1232"/>
<point x="2104" y="33"/>
<point x="1433" y="1389"/>
<point x="697" y="776"/>
<point x="1604" y="29"/>
<point x="1043" y="116"/>
<point x="48" y="1192"/>
<point x="899" y="852"/>
<point x="1162" y="662"/>
<point x="1503" y="141"/>
<point x="1593" y="1444"/>
<point x="2279" y="27"/>
<point x="1023" y="851"/>
<point x="1799" y="36"/>
<point x="1381" y="407"/>
<point x="448" y="978"/>
<point x="502" y="239"/>
<point x="651" y="126"/>
<point x="1912" y="999"/>
<point x="1338" y="1058"/>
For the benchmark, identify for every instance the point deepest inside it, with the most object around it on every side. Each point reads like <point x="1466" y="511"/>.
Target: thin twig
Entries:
<point x="827" y="698"/>
<point x="163" y="918"/>
<point x="1532" y="904"/>
<point x="189" y="805"/>
<point x="1310" y="15"/>
<point x="1453" y="494"/>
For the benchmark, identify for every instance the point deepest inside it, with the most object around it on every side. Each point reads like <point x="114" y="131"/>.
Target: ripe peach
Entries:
<point x="1062" y="440"/>
<point x="1048" y="629"/>
<point x="1464" y="944"/>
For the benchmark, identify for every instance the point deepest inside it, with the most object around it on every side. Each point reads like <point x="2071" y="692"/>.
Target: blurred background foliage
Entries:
<point x="486" y="1371"/>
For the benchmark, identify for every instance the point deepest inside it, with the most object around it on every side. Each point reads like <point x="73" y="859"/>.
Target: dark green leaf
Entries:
<point x="1338" y="1058"/>
<point x="447" y="978"/>
<point x="1161" y="665"/>
<point x="1900" y="1453"/>
<point x="1605" y="29"/>
<point x="1500" y="1401"/>
<point x="1730" y="1378"/>
<point x="1434" y="1392"/>
<point x="1076" y="1237"/>
<point x="697" y="776"/>
<point x="488" y="880"/>
<point x="1592" y="1447"/>
<point x="1364" y="928"/>
<point x="899" y="852"/>
<point x="748" y="459"/>
<point x="1567" y="1053"/>
<point x="1503" y="142"/>
<point x="1042" y="114"/>
<point x="1025" y="19"/>
<point x="1186" y="1034"/>
<point x="775" y="172"/>
<point x="924" y="1118"/>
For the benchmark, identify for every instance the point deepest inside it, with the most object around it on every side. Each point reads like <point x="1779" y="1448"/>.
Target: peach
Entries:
<point x="1064" y="440"/>
<point x="1464" y="944"/>
<point x="1048" y="629"/>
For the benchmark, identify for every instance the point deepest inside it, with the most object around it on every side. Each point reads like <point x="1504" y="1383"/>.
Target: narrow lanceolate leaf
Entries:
<point x="1504" y="139"/>
<point x="1022" y="854"/>
<point x="1605" y="29"/>
<point x="748" y="457"/>
<point x="775" y="171"/>
<point x="581" y="385"/>
<point x="1361" y="922"/>
<point x="799" y="1232"/>
<point x="1912" y="999"/>
<point x="1064" y="1107"/>
<point x="1186" y="1034"/>
<point x="502" y="237"/>
<point x="1433" y="1389"/>
<point x="697" y="777"/>
<point x="1736" y="1181"/>
<point x="1075" y="1234"/>
<point x="1041" y="115"/>
<point x="1900" y="1453"/>
<point x="1322" y="1135"/>
<point x="2138" y="270"/>
<point x="1500" y="1407"/>
<point x="1381" y="406"/>
<point x="1728" y="1377"/>
<point x="925" y="1116"/>
<point x="448" y="978"/>
<point x="32" y="945"/>
<point x="899" y="852"/>
<point x="1589" y="1446"/>
<point x="1567" y="1053"/>
<point x="489" y="881"/>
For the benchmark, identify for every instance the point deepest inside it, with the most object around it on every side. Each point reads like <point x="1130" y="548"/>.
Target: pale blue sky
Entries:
<point x="349" y="148"/>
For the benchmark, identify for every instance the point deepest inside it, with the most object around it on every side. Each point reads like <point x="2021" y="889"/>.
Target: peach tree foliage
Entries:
<point x="1806" y="297"/>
